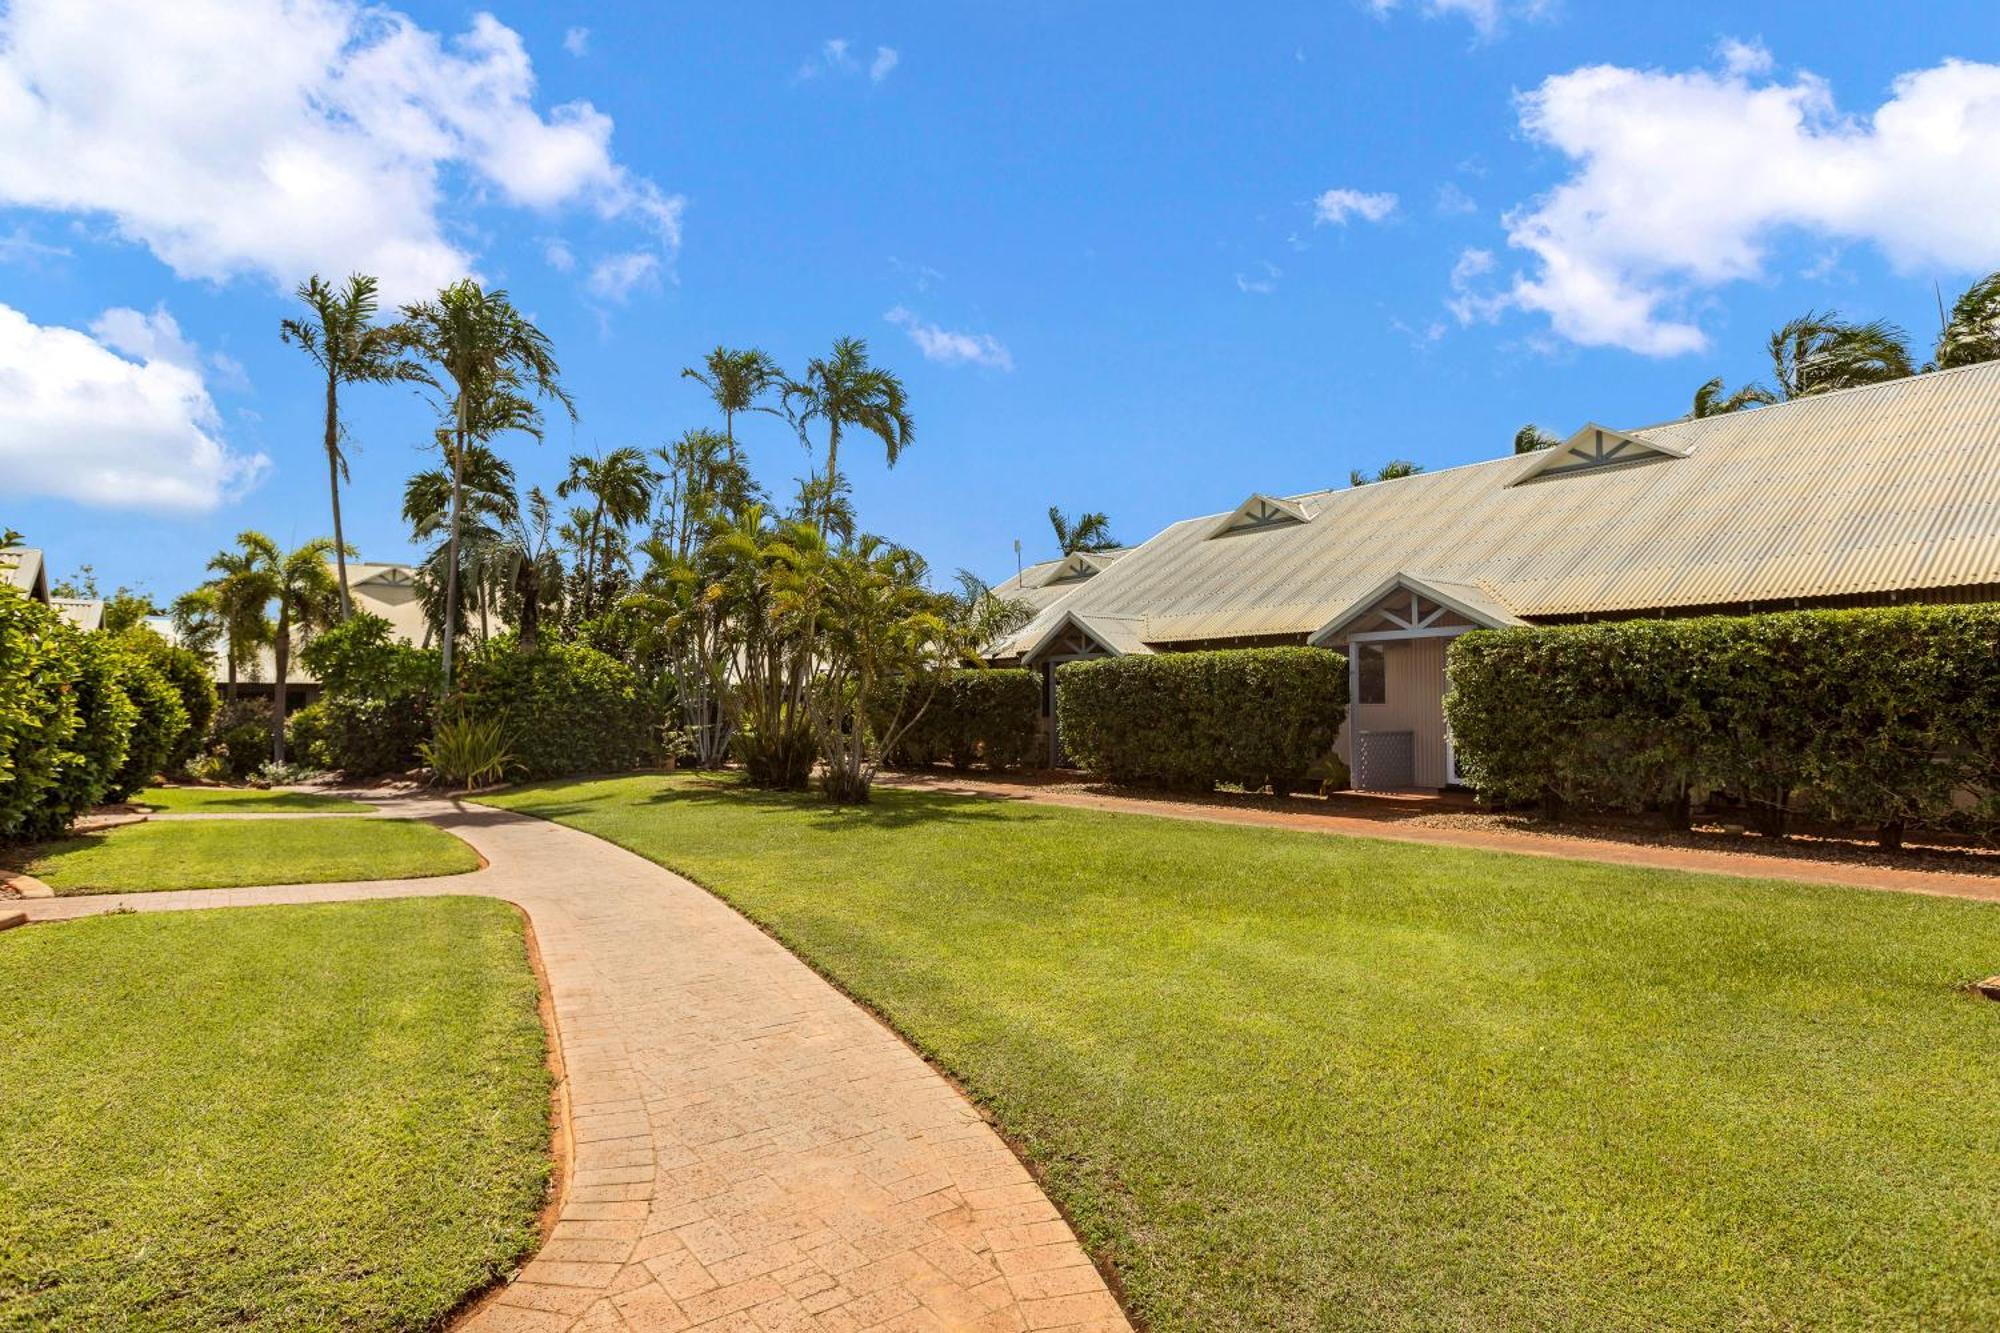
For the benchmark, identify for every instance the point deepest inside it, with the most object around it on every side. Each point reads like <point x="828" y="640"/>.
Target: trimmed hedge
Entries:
<point x="978" y="716"/>
<point x="569" y="708"/>
<point x="192" y="678"/>
<point x="1254" y="716"/>
<point x="83" y="719"/>
<point x="1885" y="717"/>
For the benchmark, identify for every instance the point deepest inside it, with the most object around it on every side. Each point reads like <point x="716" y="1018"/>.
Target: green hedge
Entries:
<point x="378" y="703"/>
<point x="161" y="728"/>
<point x="569" y="708"/>
<point x="84" y="718"/>
<point x="1885" y="717"/>
<point x="1254" y="716"/>
<point x="192" y="677"/>
<point x="986" y="717"/>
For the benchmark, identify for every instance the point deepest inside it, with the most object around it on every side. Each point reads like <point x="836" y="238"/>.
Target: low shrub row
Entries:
<point x="84" y="718"/>
<point x="976" y="717"/>
<point x="1255" y="716"/>
<point x="1882" y="717"/>
<point x="377" y="703"/>
<point x="566" y="707"/>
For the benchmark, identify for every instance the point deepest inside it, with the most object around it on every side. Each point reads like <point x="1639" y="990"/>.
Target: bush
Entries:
<point x="1190" y="720"/>
<point x="977" y="716"/>
<point x="569" y="708"/>
<point x="1885" y="717"/>
<point x="361" y="737"/>
<point x="192" y="677"/>
<point x="39" y="666"/>
<point x="240" y="737"/>
<point x="161" y="728"/>
<point x="362" y="658"/>
<point x="472" y="751"/>
<point x="97" y="750"/>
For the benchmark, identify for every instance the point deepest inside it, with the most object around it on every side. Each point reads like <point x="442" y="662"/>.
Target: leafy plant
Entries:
<point x="575" y="709"/>
<point x="474" y="751"/>
<point x="1254" y="716"/>
<point x="285" y="773"/>
<point x="977" y="717"/>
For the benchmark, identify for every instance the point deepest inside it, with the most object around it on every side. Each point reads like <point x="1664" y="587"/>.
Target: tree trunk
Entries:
<point x="333" y="483"/>
<point x="832" y="475"/>
<point x="1890" y="836"/>
<point x="451" y="545"/>
<point x="282" y="651"/>
<point x="529" y="588"/>
<point x="229" y="668"/>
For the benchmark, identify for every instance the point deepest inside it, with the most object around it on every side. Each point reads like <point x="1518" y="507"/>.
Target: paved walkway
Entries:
<point x="1394" y="825"/>
<point x="753" y="1151"/>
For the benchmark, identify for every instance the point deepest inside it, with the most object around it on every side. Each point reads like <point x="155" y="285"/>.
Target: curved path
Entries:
<point x="753" y="1150"/>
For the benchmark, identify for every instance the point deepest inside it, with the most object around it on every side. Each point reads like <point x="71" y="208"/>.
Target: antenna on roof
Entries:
<point x="1017" y="557"/>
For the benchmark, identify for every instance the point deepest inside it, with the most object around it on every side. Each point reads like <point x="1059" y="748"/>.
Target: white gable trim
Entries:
<point x="1259" y="512"/>
<point x="1412" y="622"/>
<point x="1591" y="448"/>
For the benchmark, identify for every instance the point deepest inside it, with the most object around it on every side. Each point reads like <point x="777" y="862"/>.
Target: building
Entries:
<point x="385" y="590"/>
<point x="1870" y="496"/>
<point x="23" y="567"/>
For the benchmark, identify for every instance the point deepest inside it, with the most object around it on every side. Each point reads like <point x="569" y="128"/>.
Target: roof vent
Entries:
<point x="1595" y="448"/>
<point x="1075" y="568"/>
<point x="1258" y="513"/>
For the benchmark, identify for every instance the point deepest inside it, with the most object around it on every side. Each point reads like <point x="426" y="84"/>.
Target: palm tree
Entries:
<point x="1389" y="471"/>
<point x="479" y="341"/>
<point x="242" y="592"/>
<point x="308" y="598"/>
<point x="620" y="485"/>
<point x="1088" y="532"/>
<point x="487" y="507"/>
<point x="1972" y="332"/>
<point x="736" y="379"/>
<point x="530" y="569"/>
<point x="1711" y="401"/>
<point x="1817" y="353"/>
<point x="347" y="345"/>
<point x="1532" y="439"/>
<point x="844" y="391"/>
<point x="198" y="621"/>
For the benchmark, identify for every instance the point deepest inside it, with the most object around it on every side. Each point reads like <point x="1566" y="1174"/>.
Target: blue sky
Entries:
<point x="1137" y="258"/>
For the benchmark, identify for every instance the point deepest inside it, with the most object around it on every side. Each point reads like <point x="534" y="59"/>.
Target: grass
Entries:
<point x="302" y="1118"/>
<point x="225" y="853"/>
<point x="1292" y="1081"/>
<point x="241" y="800"/>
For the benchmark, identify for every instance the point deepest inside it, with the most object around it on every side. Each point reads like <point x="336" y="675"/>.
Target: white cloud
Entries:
<point x="616" y="277"/>
<point x="576" y="41"/>
<point x="949" y="347"/>
<point x="1682" y="183"/>
<point x="1454" y="202"/>
<point x="1337" y="206"/>
<point x="884" y="61"/>
<point x="1262" y="283"/>
<point x="263" y="137"/>
<point x="20" y="246"/>
<point x="1485" y="16"/>
<point x="557" y="254"/>
<point x="81" y="422"/>
<point x="1741" y="57"/>
<point x="1468" y="303"/>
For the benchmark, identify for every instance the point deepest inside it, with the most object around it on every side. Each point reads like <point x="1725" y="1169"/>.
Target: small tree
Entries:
<point x="1818" y="353"/>
<point x="1532" y="439"/>
<point x="847" y="392"/>
<point x="738" y="379"/>
<point x="1086" y="532"/>
<point x="1389" y="471"/>
<point x="1711" y="401"/>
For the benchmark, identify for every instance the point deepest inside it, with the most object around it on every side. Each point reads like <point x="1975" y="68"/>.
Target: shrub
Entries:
<point x="1190" y="720"/>
<point x="192" y="677"/>
<point x="39" y="665"/>
<point x="240" y="736"/>
<point x="472" y="751"/>
<point x="97" y="749"/>
<point x="362" y="737"/>
<point x="362" y="658"/>
<point x="977" y="716"/>
<point x="1882" y="716"/>
<point x="570" y="708"/>
<point x="161" y="728"/>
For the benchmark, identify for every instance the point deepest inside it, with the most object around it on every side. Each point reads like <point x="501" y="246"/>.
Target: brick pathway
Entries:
<point x="753" y="1151"/>
<point x="1392" y="825"/>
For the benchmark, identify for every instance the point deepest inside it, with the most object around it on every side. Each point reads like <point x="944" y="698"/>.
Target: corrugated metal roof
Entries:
<point x="22" y="567"/>
<point x="1866" y="491"/>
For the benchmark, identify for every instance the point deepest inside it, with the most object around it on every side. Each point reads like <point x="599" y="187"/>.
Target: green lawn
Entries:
<point x="1292" y="1081"/>
<point x="240" y="800"/>
<point x="224" y="853"/>
<point x="282" y="1117"/>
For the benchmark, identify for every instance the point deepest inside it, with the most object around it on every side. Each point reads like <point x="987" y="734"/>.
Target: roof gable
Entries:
<point x="1593" y="448"/>
<point x="1259" y="513"/>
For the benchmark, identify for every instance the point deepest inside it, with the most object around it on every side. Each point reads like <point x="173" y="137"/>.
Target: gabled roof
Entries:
<point x="1114" y="635"/>
<point x="23" y="568"/>
<point x="1428" y="597"/>
<point x="1076" y="566"/>
<point x="1863" y="492"/>
<point x="86" y="613"/>
<point x="1596" y="447"/>
<point x="1259" y="512"/>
